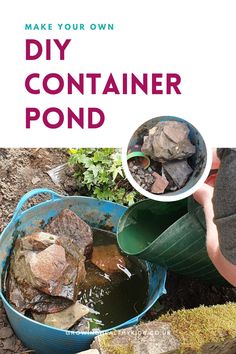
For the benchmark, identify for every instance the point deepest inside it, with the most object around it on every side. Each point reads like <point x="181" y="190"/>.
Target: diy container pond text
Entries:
<point x="81" y="84"/>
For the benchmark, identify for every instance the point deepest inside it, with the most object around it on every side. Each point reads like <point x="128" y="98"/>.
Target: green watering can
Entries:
<point x="171" y="234"/>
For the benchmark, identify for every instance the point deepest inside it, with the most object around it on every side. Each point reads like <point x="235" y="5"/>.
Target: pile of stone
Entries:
<point x="169" y="148"/>
<point x="46" y="269"/>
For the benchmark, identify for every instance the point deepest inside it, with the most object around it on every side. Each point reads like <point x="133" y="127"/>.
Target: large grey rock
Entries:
<point x="168" y="141"/>
<point x="68" y="224"/>
<point x="178" y="171"/>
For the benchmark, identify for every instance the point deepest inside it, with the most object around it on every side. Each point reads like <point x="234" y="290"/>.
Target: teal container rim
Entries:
<point x="132" y="208"/>
<point x="94" y="333"/>
<point x="56" y="197"/>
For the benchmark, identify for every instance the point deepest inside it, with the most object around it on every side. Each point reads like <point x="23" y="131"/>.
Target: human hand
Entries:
<point x="204" y="195"/>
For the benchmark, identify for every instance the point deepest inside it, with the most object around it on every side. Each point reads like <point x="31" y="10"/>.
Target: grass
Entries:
<point x="202" y="325"/>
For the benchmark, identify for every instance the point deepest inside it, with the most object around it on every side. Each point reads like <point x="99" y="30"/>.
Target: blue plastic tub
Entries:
<point x="103" y="214"/>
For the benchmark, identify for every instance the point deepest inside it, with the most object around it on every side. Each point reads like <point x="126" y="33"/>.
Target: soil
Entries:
<point x="24" y="169"/>
<point x="188" y="293"/>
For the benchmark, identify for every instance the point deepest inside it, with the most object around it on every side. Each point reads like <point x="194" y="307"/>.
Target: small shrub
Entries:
<point x="99" y="173"/>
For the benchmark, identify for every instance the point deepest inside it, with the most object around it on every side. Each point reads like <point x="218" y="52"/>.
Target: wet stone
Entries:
<point x="108" y="258"/>
<point x="41" y="265"/>
<point x="36" y="241"/>
<point x="24" y="297"/>
<point x="47" y="266"/>
<point x="68" y="224"/>
<point x="82" y="326"/>
<point x="94" y="277"/>
<point x="64" y="319"/>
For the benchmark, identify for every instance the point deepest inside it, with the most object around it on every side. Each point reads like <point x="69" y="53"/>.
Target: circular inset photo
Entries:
<point x="166" y="159"/>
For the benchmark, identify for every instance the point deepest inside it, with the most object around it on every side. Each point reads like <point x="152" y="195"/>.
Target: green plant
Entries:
<point x="99" y="173"/>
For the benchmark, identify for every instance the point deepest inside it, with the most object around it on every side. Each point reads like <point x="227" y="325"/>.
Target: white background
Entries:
<point x="193" y="38"/>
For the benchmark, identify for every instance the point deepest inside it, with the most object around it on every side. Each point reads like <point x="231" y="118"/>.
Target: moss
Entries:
<point x="106" y="344"/>
<point x="202" y="325"/>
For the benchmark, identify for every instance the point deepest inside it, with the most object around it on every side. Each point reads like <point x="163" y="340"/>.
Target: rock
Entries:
<point x="168" y="141"/>
<point x="5" y="332"/>
<point x="94" y="277"/>
<point x="200" y="330"/>
<point x="68" y="224"/>
<point x="57" y="278"/>
<point x="160" y="184"/>
<point x="24" y="297"/>
<point x="178" y="171"/>
<point x="47" y="267"/>
<point x="35" y="180"/>
<point x="176" y="131"/>
<point x="36" y="242"/>
<point x="82" y="326"/>
<point x="64" y="319"/>
<point x="10" y="344"/>
<point x="107" y="258"/>
<point x="52" y="266"/>
<point x="151" y="338"/>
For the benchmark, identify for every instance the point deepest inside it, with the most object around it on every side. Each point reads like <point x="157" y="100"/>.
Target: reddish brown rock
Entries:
<point x="48" y="265"/>
<point x="68" y="224"/>
<point x="57" y="270"/>
<point x="25" y="297"/>
<point x="160" y="184"/>
<point x="107" y="258"/>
